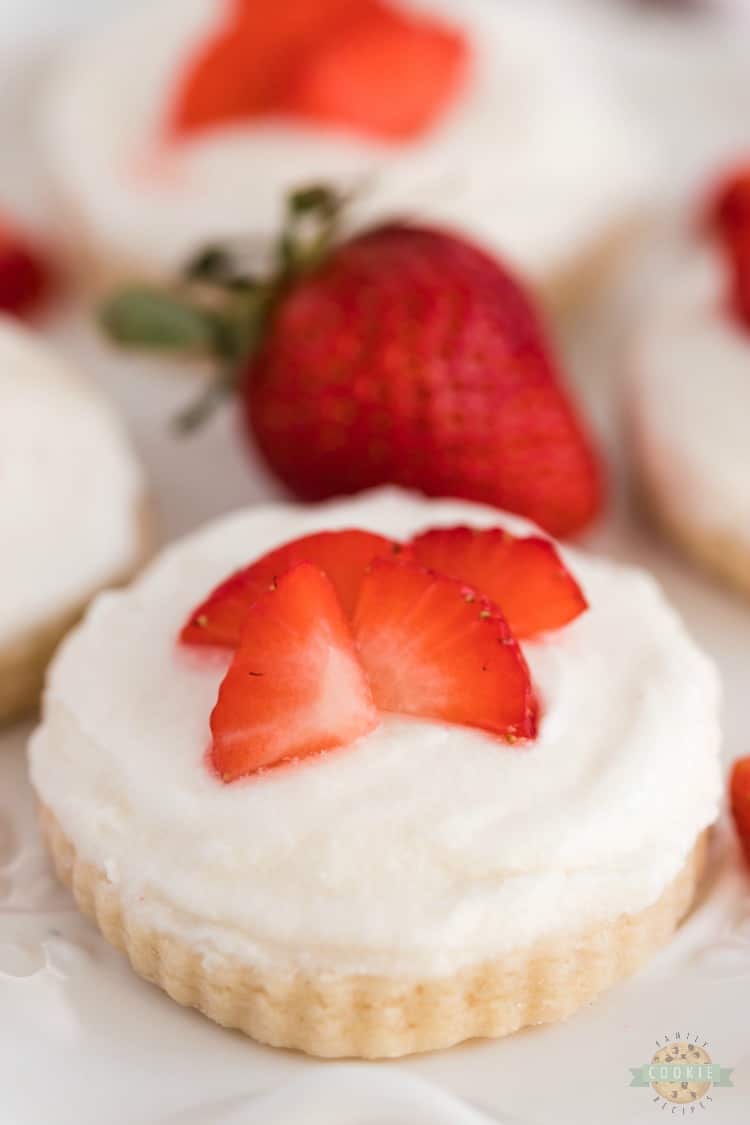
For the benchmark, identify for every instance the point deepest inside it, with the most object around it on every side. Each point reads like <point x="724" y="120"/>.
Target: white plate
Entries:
<point x="82" y="1040"/>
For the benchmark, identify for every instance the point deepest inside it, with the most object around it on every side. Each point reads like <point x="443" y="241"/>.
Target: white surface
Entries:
<point x="82" y="1041"/>
<point x="481" y="848"/>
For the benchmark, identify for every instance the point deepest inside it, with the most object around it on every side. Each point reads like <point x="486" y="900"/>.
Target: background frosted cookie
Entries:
<point x="470" y="116"/>
<point x="73" y="514"/>
<point x="359" y="809"/>
<point x="689" y="392"/>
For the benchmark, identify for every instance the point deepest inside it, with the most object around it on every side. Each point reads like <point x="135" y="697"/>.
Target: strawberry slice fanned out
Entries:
<point x="343" y="555"/>
<point x="433" y="647"/>
<point x="525" y="577"/>
<point x="295" y="686"/>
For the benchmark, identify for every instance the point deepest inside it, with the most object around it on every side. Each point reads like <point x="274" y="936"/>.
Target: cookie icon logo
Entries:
<point x="686" y="1089"/>
<point x="681" y="1072"/>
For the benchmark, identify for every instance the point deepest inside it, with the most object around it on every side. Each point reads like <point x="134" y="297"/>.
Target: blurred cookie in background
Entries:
<point x="73" y="511"/>
<point x="689" y="384"/>
<point x="190" y="120"/>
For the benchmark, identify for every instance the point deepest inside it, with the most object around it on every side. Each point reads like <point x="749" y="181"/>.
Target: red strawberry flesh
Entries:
<point x="366" y="65"/>
<point x="387" y="74"/>
<point x="525" y="577"/>
<point x="435" y="648"/>
<point x="295" y="687"/>
<point x="411" y="357"/>
<point x="729" y="217"/>
<point x="729" y="208"/>
<point x="24" y="277"/>
<point x="739" y="798"/>
<point x="239" y="71"/>
<point x="343" y="555"/>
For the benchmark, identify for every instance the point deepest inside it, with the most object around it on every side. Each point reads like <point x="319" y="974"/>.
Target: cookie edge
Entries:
<point x="331" y="1015"/>
<point x="23" y="662"/>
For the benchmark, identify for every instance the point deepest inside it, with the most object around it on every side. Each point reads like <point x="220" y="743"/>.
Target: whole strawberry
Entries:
<point x="403" y="355"/>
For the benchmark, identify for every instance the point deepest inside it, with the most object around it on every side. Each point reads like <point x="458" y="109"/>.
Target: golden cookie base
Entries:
<point x="337" y="1015"/>
<point x="719" y="554"/>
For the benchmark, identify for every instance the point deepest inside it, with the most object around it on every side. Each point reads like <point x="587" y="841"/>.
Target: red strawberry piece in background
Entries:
<point x="728" y="216"/>
<point x="729" y="207"/>
<point x="295" y="687"/>
<point x="342" y="555"/>
<point x="24" y="276"/>
<point x="434" y="648"/>
<point x="388" y="74"/>
<point x="739" y="799"/>
<point x="365" y="65"/>
<point x="404" y="355"/>
<point x="525" y="577"/>
<point x="243" y="67"/>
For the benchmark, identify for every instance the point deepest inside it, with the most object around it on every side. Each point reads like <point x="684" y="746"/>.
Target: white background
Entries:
<point x="81" y="1039"/>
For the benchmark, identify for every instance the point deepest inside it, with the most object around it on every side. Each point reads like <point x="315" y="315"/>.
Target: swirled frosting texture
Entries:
<point x="421" y="847"/>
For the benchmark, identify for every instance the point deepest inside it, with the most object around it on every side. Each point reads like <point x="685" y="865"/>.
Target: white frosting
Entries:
<point x="421" y="847"/>
<point x="690" y="396"/>
<point x="534" y="158"/>
<point x="70" y="488"/>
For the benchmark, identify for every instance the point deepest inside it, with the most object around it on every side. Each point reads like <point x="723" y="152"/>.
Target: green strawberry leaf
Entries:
<point x="152" y="318"/>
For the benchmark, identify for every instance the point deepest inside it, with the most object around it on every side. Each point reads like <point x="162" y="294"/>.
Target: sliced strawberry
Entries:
<point x="357" y="63"/>
<point x="24" y="278"/>
<point x="525" y="577"/>
<point x="389" y="75"/>
<point x="240" y="72"/>
<point x="220" y="86"/>
<point x="343" y="555"/>
<point x="295" y="686"/>
<point x="739" y="296"/>
<point x="433" y="647"/>
<point x="739" y="797"/>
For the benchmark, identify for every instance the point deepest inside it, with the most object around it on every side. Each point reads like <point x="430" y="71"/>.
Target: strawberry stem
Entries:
<point x="218" y="308"/>
<point x="313" y="220"/>
<point x="212" y="263"/>
<point x="195" y="413"/>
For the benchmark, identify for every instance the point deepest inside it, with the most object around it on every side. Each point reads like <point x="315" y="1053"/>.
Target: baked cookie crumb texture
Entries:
<point x="334" y="1016"/>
